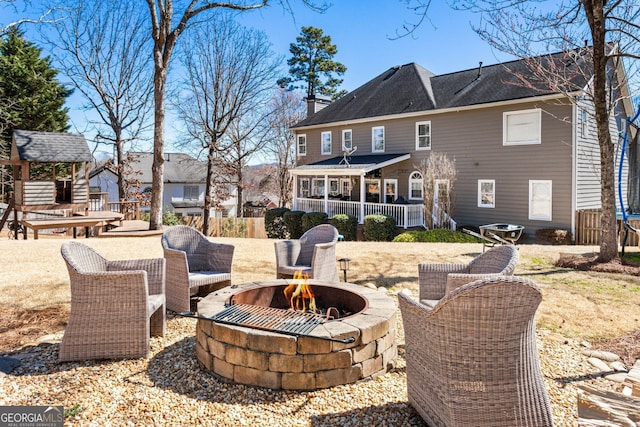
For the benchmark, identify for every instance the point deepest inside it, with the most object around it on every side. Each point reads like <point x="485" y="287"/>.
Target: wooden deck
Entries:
<point x="92" y="219"/>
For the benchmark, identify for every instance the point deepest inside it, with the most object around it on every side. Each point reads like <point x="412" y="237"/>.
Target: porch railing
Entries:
<point x="406" y="215"/>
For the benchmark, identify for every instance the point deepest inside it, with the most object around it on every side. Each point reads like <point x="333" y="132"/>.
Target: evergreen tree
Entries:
<point x="312" y="58"/>
<point x="33" y="98"/>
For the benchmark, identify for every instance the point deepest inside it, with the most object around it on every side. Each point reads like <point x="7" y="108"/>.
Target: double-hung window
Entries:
<point x="302" y="145"/>
<point x="540" y="200"/>
<point x="347" y="139"/>
<point x="304" y="187"/>
<point x="377" y="139"/>
<point x="415" y="186"/>
<point x="521" y="127"/>
<point x="191" y="192"/>
<point x="486" y="193"/>
<point x="423" y="135"/>
<point x="317" y="187"/>
<point x="325" y="138"/>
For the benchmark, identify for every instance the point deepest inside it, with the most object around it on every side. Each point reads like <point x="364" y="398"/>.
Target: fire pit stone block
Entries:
<point x="277" y="361"/>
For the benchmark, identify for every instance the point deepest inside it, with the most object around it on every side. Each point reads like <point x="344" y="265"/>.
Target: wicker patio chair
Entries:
<point x="472" y="360"/>
<point x="314" y="253"/>
<point x="435" y="280"/>
<point x="115" y="305"/>
<point x="195" y="265"/>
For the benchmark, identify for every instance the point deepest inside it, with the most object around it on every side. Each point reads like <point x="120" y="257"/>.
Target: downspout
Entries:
<point x="574" y="172"/>
<point x="295" y="191"/>
<point x="326" y="194"/>
<point x="362" y="198"/>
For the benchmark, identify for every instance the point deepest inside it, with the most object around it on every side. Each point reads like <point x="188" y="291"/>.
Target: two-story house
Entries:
<point x="523" y="155"/>
<point x="184" y="184"/>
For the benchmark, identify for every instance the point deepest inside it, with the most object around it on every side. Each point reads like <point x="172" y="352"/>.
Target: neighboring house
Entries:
<point x="184" y="184"/>
<point x="523" y="156"/>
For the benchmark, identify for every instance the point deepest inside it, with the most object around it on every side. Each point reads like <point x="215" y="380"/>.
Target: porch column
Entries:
<point x="362" y="198"/>
<point x="326" y="194"/>
<point x="294" y="202"/>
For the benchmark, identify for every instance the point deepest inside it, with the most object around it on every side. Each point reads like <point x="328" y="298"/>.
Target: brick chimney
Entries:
<point x="316" y="103"/>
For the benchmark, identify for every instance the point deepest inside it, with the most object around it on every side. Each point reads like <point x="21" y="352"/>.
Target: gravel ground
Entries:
<point x="169" y="388"/>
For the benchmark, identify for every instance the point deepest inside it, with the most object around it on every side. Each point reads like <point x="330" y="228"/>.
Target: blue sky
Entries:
<point x="362" y="31"/>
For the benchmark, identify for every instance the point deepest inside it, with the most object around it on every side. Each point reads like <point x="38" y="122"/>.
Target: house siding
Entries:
<point x="474" y="139"/>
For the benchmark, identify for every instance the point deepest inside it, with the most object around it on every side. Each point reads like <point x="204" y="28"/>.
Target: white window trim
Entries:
<point x="435" y="192"/>
<point x="191" y="187"/>
<point x="298" y="137"/>
<point x="541" y="181"/>
<point x="346" y="181"/>
<point x="373" y="140"/>
<point x="303" y="189"/>
<point x="484" y="205"/>
<point x="393" y="181"/>
<point x="344" y="147"/>
<point x="418" y="147"/>
<point x="506" y="114"/>
<point x="322" y="150"/>
<point x="337" y="183"/>
<point x="314" y="186"/>
<point x="411" y="180"/>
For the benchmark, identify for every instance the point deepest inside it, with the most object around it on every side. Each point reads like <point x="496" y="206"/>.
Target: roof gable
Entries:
<point x="34" y="146"/>
<point x="178" y="168"/>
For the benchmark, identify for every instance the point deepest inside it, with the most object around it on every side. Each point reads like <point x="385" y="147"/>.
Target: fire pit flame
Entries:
<point x="299" y="293"/>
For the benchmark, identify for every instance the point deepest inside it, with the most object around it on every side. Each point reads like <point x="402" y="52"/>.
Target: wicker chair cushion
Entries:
<point x="154" y="302"/>
<point x="200" y="278"/>
<point x="291" y="269"/>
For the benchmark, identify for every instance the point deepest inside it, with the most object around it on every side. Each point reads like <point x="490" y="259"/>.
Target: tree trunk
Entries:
<point x="208" y="188"/>
<point x="157" y="169"/>
<point x="608" y="238"/>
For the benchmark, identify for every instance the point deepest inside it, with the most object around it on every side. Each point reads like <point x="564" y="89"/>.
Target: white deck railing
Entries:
<point x="406" y="215"/>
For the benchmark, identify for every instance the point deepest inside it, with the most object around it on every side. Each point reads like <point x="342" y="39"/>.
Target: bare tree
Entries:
<point x="101" y="47"/>
<point x="231" y="71"/>
<point x="597" y="38"/>
<point x="287" y="110"/>
<point x="438" y="167"/>
<point x="167" y="27"/>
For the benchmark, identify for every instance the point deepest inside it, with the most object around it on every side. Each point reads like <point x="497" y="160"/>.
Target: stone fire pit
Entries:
<point x="262" y="358"/>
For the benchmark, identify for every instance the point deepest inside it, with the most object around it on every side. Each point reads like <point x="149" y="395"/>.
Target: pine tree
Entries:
<point x="33" y="99"/>
<point x="312" y="58"/>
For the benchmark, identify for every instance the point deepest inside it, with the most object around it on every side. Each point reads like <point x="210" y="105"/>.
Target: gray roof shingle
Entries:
<point x="178" y="168"/>
<point x="411" y="88"/>
<point x="56" y="147"/>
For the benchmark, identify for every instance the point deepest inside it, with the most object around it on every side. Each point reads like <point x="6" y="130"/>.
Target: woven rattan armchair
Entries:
<point x="195" y="265"/>
<point x="314" y="254"/>
<point x="115" y="305"/>
<point x="435" y="280"/>
<point x="472" y="360"/>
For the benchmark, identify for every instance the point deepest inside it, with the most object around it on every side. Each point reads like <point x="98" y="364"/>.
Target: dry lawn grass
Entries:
<point x="34" y="287"/>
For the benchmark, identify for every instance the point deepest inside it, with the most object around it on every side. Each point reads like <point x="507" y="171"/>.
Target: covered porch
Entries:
<point x="354" y="185"/>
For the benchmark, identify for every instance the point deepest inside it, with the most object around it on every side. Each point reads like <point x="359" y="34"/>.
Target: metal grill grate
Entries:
<point x="269" y="319"/>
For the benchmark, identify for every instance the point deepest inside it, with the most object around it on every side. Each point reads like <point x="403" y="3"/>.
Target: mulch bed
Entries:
<point x="19" y="327"/>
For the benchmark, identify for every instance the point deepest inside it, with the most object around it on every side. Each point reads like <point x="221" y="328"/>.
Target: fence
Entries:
<point x="588" y="228"/>
<point x="230" y="227"/>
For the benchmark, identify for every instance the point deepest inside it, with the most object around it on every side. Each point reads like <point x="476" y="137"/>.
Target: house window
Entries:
<point x="347" y="139"/>
<point x="373" y="190"/>
<point x="423" y="136"/>
<point x="486" y="193"/>
<point x="345" y="184"/>
<point x="334" y="185"/>
<point x="317" y="187"/>
<point x="390" y="190"/>
<point x="304" y="187"/>
<point x="521" y="127"/>
<point x="415" y="186"/>
<point x="441" y="195"/>
<point x="540" y="200"/>
<point x="302" y="145"/>
<point x="326" y="142"/>
<point x="377" y="139"/>
<point x="191" y="192"/>
<point x="584" y="123"/>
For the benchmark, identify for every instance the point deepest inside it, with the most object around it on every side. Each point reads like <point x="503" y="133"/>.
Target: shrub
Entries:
<point x="293" y="222"/>
<point x="346" y="224"/>
<point x="311" y="219"/>
<point x="171" y="218"/>
<point x="380" y="228"/>
<point x="232" y="227"/>
<point x="437" y="235"/>
<point x="274" y="223"/>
